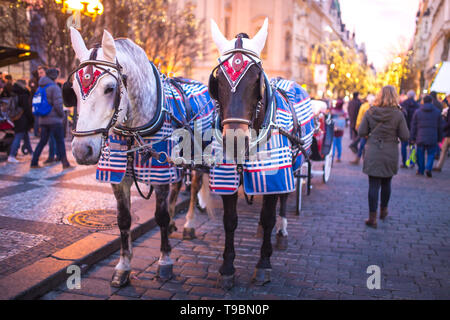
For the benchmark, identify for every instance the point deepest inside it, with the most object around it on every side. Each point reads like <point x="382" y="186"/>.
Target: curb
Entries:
<point x="47" y="273"/>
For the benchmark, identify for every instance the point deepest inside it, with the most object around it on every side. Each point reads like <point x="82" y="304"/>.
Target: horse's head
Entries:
<point x="98" y="93"/>
<point x="239" y="83"/>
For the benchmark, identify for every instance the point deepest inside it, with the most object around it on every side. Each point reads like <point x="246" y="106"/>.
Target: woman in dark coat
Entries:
<point x="383" y="125"/>
<point x="24" y="123"/>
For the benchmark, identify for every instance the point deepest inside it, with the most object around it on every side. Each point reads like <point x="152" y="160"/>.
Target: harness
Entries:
<point x="88" y="80"/>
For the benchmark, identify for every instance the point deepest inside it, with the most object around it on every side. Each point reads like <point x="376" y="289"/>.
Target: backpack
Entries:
<point x="41" y="107"/>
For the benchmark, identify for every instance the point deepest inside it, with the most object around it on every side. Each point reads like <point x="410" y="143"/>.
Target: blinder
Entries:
<point x="69" y="96"/>
<point x="213" y="86"/>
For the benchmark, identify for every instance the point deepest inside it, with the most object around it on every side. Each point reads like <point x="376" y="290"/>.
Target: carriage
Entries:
<point x="321" y="151"/>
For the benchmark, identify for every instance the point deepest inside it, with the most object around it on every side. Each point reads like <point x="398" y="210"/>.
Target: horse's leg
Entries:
<point x="259" y="230"/>
<point x="268" y="218"/>
<point x="122" y="270"/>
<point x="173" y="196"/>
<point x="165" y="263"/>
<point x="282" y="234"/>
<point x="189" y="226"/>
<point x="230" y="221"/>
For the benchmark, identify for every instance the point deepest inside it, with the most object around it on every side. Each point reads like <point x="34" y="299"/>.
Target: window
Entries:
<point x="287" y="46"/>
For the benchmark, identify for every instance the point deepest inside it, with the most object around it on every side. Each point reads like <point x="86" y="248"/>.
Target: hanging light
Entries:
<point x="74" y="5"/>
<point x="95" y="7"/>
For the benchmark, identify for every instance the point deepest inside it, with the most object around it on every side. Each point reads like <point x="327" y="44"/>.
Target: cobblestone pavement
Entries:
<point x="34" y="203"/>
<point x="329" y="251"/>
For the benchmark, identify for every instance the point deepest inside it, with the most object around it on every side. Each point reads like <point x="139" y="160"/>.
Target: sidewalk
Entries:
<point x="38" y="242"/>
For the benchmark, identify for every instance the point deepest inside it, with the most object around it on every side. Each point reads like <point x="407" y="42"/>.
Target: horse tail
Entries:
<point x="204" y="197"/>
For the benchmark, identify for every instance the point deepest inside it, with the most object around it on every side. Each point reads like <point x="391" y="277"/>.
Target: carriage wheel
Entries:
<point x="299" y="195"/>
<point x="327" y="168"/>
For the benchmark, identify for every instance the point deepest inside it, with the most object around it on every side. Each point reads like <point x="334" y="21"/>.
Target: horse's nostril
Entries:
<point x="89" y="152"/>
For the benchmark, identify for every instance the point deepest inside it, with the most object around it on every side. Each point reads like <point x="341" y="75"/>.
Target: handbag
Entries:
<point x="412" y="160"/>
<point x="14" y="111"/>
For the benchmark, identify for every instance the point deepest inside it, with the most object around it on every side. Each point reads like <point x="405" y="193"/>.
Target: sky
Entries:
<point x="381" y="24"/>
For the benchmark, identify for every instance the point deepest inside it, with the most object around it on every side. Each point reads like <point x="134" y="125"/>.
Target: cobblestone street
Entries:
<point x="329" y="251"/>
<point x="34" y="204"/>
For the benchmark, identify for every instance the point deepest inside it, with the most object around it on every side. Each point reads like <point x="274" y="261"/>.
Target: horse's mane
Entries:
<point x="140" y="81"/>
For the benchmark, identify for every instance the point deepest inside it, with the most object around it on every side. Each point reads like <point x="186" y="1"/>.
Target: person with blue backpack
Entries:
<point x="48" y="106"/>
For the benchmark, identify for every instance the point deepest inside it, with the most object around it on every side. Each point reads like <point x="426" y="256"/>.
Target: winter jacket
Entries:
<point x="426" y="126"/>
<point x="353" y="109"/>
<point x="361" y="113"/>
<point x="383" y="126"/>
<point x="410" y="106"/>
<point x="25" y="122"/>
<point x="54" y="97"/>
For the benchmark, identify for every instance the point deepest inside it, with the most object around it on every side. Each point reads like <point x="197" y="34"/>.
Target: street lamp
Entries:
<point x="90" y="8"/>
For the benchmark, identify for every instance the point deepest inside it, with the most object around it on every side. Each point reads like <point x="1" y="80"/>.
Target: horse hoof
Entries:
<point x="189" y="234"/>
<point x="172" y="228"/>
<point x="282" y="242"/>
<point x="226" y="282"/>
<point x="120" y="278"/>
<point x="261" y="276"/>
<point x="165" y="272"/>
<point x="259" y="232"/>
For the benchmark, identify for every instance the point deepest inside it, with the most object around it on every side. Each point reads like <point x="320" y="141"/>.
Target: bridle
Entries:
<point x="148" y="129"/>
<point x="266" y="95"/>
<point x="121" y="81"/>
<point x="213" y="83"/>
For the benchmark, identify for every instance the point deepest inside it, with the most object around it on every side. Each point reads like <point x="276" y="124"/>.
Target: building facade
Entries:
<point x="432" y="39"/>
<point x="296" y="28"/>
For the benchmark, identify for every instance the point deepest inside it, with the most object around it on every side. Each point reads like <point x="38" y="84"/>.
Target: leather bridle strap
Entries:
<point x="236" y="120"/>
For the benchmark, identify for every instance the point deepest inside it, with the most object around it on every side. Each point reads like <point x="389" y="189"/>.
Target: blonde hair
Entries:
<point x="387" y="97"/>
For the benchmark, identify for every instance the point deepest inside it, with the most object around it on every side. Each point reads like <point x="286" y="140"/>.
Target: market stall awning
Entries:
<point x="441" y="83"/>
<point x="10" y="56"/>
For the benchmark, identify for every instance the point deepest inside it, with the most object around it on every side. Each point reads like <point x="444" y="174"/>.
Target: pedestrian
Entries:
<point x="339" y="117"/>
<point x="353" y="109"/>
<point x="436" y="101"/>
<point x="446" y="131"/>
<point x="52" y="123"/>
<point x="7" y="90"/>
<point x="409" y="107"/>
<point x="426" y="132"/>
<point x="383" y="125"/>
<point x="362" y="111"/>
<point x="23" y="120"/>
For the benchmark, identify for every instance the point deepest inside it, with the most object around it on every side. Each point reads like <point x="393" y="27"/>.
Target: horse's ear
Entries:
<point x="109" y="47"/>
<point x="259" y="40"/>
<point x="78" y="44"/>
<point x="218" y="37"/>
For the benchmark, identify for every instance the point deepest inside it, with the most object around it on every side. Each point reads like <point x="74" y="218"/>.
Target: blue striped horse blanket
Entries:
<point x="113" y="168"/>
<point x="272" y="172"/>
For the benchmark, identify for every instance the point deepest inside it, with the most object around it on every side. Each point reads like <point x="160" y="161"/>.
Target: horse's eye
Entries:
<point x="109" y="90"/>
